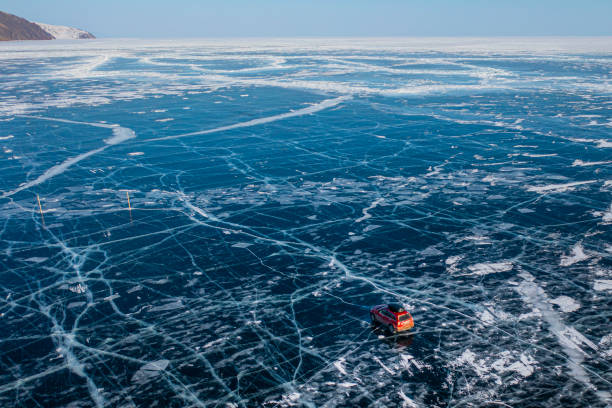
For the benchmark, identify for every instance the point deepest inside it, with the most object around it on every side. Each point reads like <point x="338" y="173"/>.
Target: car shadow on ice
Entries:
<point x="402" y="339"/>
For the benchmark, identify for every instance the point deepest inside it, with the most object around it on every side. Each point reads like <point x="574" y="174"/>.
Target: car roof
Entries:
<point x="396" y="308"/>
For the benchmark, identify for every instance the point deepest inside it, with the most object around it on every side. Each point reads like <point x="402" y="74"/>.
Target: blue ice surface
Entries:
<point x="279" y="191"/>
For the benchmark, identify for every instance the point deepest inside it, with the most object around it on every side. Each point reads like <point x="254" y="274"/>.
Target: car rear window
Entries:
<point x="404" y="317"/>
<point x="387" y="314"/>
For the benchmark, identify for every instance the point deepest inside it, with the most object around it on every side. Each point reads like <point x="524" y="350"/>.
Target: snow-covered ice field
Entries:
<point x="278" y="188"/>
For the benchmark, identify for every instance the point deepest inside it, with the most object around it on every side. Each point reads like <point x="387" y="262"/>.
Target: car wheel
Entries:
<point x="391" y="329"/>
<point x="372" y="318"/>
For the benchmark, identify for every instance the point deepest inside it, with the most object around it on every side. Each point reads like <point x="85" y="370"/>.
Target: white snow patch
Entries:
<point x="607" y="216"/>
<point x="577" y="255"/>
<point x="476" y="239"/>
<point x="604" y="144"/>
<point x="340" y="366"/>
<point x="78" y="288"/>
<point x="134" y="289"/>
<point x="168" y="306"/>
<point x="604" y="346"/>
<point x="565" y="303"/>
<point x="585" y="164"/>
<point x="406" y="401"/>
<point x="574" y="337"/>
<point x="431" y="251"/>
<point x="602" y="284"/>
<point x="72" y="305"/>
<point x="242" y="245"/>
<point x="36" y="259"/>
<point x="490" y="267"/>
<point x="451" y="263"/>
<point x="568" y="337"/>
<point x="347" y="384"/>
<point x="149" y="371"/>
<point x="112" y="297"/>
<point x="558" y="188"/>
<point x="526" y="210"/>
<point x="365" y="213"/>
<point x="468" y="357"/>
<point x="524" y="367"/>
<point x="536" y="155"/>
<point x="120" y="134"/>
<point x="371" y="228"/>
<point x="601" y="143"/>
<point x="486" y="317"/>
<point x="384" y="367"/>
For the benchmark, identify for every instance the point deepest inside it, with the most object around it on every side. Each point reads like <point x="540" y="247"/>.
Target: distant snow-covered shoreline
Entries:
<point x="64" y="32"/>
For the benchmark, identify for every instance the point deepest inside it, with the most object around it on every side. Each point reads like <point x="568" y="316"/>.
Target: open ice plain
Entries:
<point x="280" y="188"/>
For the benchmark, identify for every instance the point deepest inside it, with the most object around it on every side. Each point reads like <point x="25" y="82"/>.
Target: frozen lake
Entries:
<point x="280" y="188"/>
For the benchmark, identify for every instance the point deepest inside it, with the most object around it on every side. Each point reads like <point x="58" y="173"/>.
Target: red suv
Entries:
<point x="392" y="317"/>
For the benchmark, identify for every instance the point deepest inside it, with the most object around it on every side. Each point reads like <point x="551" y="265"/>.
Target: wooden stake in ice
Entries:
<point x="42" y="217"/>
<point x="127" y="193"/>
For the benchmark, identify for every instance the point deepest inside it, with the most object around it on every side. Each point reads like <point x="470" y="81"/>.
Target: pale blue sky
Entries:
<point x="290" y="18"/>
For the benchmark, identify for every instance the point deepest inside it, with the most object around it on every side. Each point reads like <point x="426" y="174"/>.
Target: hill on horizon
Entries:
<point x="15" y="28"/>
